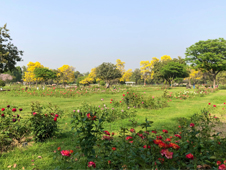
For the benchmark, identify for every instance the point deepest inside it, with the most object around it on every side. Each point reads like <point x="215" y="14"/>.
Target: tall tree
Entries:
<point x="29" y="75"/>
<point x="173" y="70"/>
<point x="108" y="72"/>
<point x="66" y="74"/>
<point x="209" y="55"/>
<point x="9" y="54"/>
<point x="44" y="73"/>
<point x="136" y="75"/>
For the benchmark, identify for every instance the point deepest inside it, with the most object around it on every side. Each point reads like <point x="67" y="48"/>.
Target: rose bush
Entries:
<point x="43" y="121"/>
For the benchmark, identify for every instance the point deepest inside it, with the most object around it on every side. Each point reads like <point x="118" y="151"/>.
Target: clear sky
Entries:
<point x="86" y="33"/>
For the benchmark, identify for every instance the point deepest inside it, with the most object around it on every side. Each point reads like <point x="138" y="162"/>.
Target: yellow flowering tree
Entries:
<point x="194" y="75"/>
<point x="147" y="69"/>
<point x="91" y="78"/>
<point x="66" y="74"/>
<point x="126" y="76"/>
<point x="165" y="58"/>
<point x="153" y="61"/>
<point x="121" y="66"/>
<point x="29" y="75"/>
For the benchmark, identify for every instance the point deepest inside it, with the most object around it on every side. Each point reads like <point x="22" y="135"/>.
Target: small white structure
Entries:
<point x="129" y="83"/>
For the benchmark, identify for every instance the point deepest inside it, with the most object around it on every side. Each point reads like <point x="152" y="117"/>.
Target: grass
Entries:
<point x="165" y="118"/>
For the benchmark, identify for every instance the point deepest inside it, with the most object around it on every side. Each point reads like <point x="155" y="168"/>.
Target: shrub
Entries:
<point x="2" y="83"/>
<point x="43" y="123"/>
<point x="191" y="146"/>
<point x="111" y="113"/>
<point x="11" y="126"/>
<point x="102" y="83"/>
<point x="222" y="87"/>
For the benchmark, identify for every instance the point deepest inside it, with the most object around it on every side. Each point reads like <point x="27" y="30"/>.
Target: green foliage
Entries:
<point x="111" y="112"/>
<point x="102" y="83"/>
<point x="9" y="54"/>
<point x="107" y="72"/>
<point x="16" y="73"/>
<point x="80" y="79"/>
<point x="174" y="70"/>
<point x="43" y="123"/>
<point x="136" y="76"/>
<point x="44" y="73"/>
<point x="209" y="55"/>
<point x="2" y="83"/>
<point x="12" y="126"/>
<point x="136" y="100"/>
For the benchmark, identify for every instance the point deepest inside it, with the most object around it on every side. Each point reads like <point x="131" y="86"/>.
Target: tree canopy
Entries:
<point x="44" y="73"/>
<point x="9" y="54"/>
<point x="173" y="70"/>
<point x="209" y="55"/>
<point x="107" y="72"/>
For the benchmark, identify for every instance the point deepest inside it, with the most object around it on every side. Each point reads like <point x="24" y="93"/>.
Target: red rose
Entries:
<point x="14" y="109"/>
<point x="3" y="109"/>
<point x="218" y="162"/>
<point x="129" y="137"/>
<point x="111" y="99"/>
<point x="145" y="146"/>
<point x="178" y="136"/>
<point x="132" y="130"/>
<point x="165" y="131"/>
<point x="34" y="113"/>
<point x="174" y="146"/>
<point x="14" y="120"/>
<point x="114" y="148"/>
<point x="168" y="140"/>
<point x="8" y="106"/>
<point x="55" y="119"/>
<point x="223" y="167"/>
<point x="120" y="101"/>
<point x="214" y="106"/>
<point x="112" y="133"/>
<point x="110" y="102"/>
<point x="123" y="95"/>
<point x="20" y="109"/>
<point x="190" y="156"/>
<point x="209" y="103"/>
<point x="91" y="164"/>
<point x="159" y="137"/>
<point x="154" y="131"/>
<point x="127" y="92"/>
<point x="2" y="115"/>
<point x="192" y="125"/>
<point x="157" y="141"/>
<point x="107" y="133"/>
<point x="71" y="151"/>
<point x="65" y="153"/>
<point x="56" y="115"/>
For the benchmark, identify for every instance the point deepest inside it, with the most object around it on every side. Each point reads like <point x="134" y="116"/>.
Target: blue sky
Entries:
<point x="86" y="33"/>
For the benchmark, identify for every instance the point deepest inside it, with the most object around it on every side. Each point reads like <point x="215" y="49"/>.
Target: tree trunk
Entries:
<point x="214" y="81"/>
<point x="144" y="81"/>
<point x="36" y="83"/>
<point x="189" y="80"/>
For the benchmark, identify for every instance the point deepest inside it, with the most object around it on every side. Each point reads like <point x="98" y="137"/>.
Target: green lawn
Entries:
<point x="163" y="118"/>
